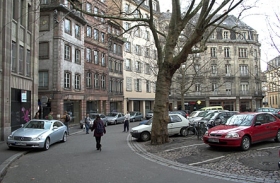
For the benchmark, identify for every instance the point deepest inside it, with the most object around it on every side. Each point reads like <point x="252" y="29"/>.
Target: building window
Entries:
<point x="137" y="85"/>
<point x="20" y="60"/>
<point x="67" y="26"/>
<point x="138" y="32"/>
<point x="242" y="53"/>
<point x="96" y="57"/>
<point x="103" y="60"/>
<point x="213" y="52"/>
<point x="127" y="47"/>
<point x="226" y="52"/>
<point x="102" y="19"/>
<point x="214" y="87"/>
<point x="196" y="69"/>
<point x="148" y="86"/>
<point x="137" y="49"/>
<point x="96" y="34"/>
<point x="147" y="52"/>
<point x="147" y="35"/>
<point x="228" y="88"/>
<point x="88" y="80"/>
<point x="155" y="54"/>
<point x="44" y="50"/>
<point x="77" y="56"/>
<point x="96" y="81"/>
<point x="43" y="79"/>
<point x="128" y="64"/>
<point x="28" y="63"/>
<point x="127" y="25"/>
<point x="154" y="6"/>
<point x="89" y="31"/>
<point x="103" y="82"/>
<point x="67" y="52"/>
<point x="227" y="68"/>
<point x="244" y="88"/>
<point x="243" y="36"/>
<point x="88" y="55"/>
<point x="14" y="57"/>
<point x="138" y="66"/>
<point x="197" y="87"/>
<point x="67" y="80"/>
<point x="128" y="84"/>
<point x="44" y="23"/>
<point x="77" y="81"/>
<point x="126" y="8"/>
<point x="95" y="11"/>
<point x="119" y="50"/>
<point x="214" y="69"/>
<point x="114" y="48"/>
<point x="226" y="35"/>
<point x="77" y="31"/>
<point x="147" y="68"/>
<point x="89" y="7"/>
<point x="102" y="37"/>
<point x="244" y="71"/>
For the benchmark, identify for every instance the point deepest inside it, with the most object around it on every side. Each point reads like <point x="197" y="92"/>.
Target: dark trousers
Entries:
<point x="67" y="125"/>
<point x="98" y="140"/>
<point x="126" y="126"/>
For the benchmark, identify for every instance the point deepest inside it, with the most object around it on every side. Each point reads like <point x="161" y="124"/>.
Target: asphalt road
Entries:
<point x="77" y="160"/>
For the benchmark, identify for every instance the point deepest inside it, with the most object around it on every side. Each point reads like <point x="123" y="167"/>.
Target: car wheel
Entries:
<point x="47" y="144"/>
<point x="184" y="132"/>
<point x="115" y="122"/>
<point x="64" y="138"/>
<point x="245" y="143"/>
<point x="145" y="136"/>
<point x="133" y="120"/>
<point x="81" y="126"/>
<point x="106" y="123"/>
<point x="277" y="138"/>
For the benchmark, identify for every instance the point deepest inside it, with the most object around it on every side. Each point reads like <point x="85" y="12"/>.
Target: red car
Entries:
<point x="244" y="129"/>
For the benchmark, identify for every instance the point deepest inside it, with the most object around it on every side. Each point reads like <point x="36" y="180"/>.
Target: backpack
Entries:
<point x="67" y="119"/>
<point x="99" y="127"/>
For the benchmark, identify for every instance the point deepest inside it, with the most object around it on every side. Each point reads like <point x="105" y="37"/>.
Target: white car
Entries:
<point x="178" y="124"/>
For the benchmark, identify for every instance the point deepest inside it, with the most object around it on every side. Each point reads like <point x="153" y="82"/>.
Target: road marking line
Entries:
<point x="183" y="147"/>
<point x="206" y="161"/>
<point x="268" y="148"/>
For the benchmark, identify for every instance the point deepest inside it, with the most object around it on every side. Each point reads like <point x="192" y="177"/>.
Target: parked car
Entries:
<point x="243" y="129"/>
<point x="136" y="116"/>
<point x="217" y="118"/>
<point x="115" y="118"/>
<point x="195" y="114"/>
<point x="144" y="121"/>
<point x="275" y="112"/>
<point x="212" y="108"/>
<point x="149" y="114"/>
<point x="183" y="113"/>
<point x="102" y="117"/>
<point x="38" y="133"/>
<point x="178" y="124"/>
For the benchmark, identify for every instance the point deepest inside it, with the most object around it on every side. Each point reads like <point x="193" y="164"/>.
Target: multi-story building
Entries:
<point x="227" y="74"/>
<point x="273" y="83"/>
<point x="96" y="59"/>
<point x="19" y="63"/>
<point x="139" y="56"/>
<point x="61" y="59"/>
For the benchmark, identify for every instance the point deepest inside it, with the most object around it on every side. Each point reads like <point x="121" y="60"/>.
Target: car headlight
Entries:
<point x="232" y="135"/>
<point x="134" y="131"/>
<point x="206" y="133"/>
<point x="10" y="137"/>
<point x="37" y="138"/>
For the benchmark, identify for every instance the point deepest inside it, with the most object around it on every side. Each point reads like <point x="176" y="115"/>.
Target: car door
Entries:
<point x="271" y="126"/>
<point x="55" y="135"/>
<point x="259" y="132"/>
<point x="176" y="124"/>
<point x="170" y="126"/>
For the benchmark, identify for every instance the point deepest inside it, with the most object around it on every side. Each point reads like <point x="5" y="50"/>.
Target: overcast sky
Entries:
<point x="256" y="18"/>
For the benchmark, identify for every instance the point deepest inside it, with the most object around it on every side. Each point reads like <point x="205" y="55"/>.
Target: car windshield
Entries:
<point x="240" y="120"/>
<point x="112" y="114"/>
<point x="194" y="113"/>
<point x="37" y="125"/>
<point x="149" y="122"/>
<point x="210" y="116"/>
<point x="202" y="114"/>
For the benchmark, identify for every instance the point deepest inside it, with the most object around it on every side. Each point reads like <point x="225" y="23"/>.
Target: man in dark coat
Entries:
<point x="97" y="133"/>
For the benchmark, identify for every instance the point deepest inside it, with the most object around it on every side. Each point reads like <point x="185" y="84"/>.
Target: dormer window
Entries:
<point x="226" y="35"/>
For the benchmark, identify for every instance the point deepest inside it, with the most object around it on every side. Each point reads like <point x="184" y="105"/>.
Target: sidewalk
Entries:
<point x="7" y="157"/>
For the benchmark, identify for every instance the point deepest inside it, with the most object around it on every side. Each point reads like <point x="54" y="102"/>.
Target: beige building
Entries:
<point x="227" y="74"/>
<point x="140" y="56"/>
<point x="19" y="63"/>
<point x="272" y="85"/>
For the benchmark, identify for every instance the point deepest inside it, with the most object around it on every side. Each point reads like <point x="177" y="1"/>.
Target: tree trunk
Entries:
<point x="159" y="134"/>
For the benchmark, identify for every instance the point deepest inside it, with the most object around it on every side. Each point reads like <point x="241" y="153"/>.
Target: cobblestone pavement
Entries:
<point x="257" y="164"/>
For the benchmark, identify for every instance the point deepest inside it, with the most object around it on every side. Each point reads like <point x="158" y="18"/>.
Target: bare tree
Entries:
<point x="168" y="60"/>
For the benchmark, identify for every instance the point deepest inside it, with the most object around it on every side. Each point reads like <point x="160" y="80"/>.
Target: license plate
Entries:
<point x="20" y="143"/>
<point x="213" y="140"/>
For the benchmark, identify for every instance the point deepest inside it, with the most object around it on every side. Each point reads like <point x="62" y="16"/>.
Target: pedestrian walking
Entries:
<point x="87" y="123"/>
<point x="66" y="119"/>
<point x="99" y="130"/>
<point x="126" y="122"/>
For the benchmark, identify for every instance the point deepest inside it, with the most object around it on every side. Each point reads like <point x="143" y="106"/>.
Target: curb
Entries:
<point x="4" y="166"/>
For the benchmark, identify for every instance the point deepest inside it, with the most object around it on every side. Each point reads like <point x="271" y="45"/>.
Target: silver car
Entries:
<point x="115" y="117"/>
<point x="38" y="133"/>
